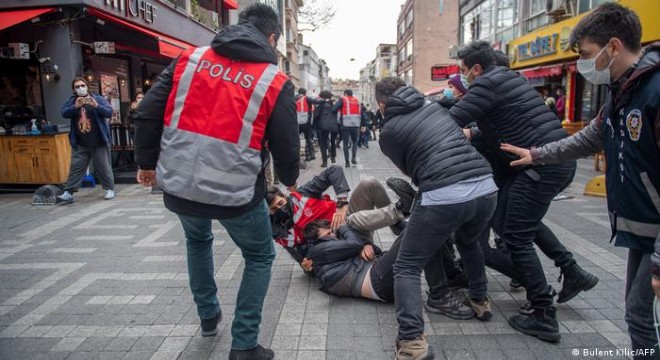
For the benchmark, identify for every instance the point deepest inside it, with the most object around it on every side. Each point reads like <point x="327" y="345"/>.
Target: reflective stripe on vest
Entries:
<point x="302" y="110"/>
<point x="350" y="111"/>
<point x="215" y="121"/>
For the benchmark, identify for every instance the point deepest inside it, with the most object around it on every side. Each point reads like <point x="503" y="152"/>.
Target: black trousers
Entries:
<point x="327" y="144"/>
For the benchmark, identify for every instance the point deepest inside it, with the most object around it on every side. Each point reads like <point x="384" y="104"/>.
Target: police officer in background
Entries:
<point x="350" y="119"/>
<point x="200" y="135"/>
<point x="304" y="110"/>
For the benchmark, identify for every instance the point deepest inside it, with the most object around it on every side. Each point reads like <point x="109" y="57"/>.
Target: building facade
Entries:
<point x="544" y="57"/>
<point x="309" y="67"/>
<point x="339" y="85"/>
<point x="383" y="65"/>
<point x="425" y="32"/>
<point x="118" y="46"/>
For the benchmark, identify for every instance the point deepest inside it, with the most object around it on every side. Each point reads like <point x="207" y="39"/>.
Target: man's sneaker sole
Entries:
<point x="553" y="337"/>
<point x="588" y="285"/>
<point x="448" y="314"/>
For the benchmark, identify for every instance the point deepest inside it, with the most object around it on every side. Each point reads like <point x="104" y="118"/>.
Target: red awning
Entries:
<point x="230" y="4"/>
<point x="11" y="18"/>
<point x="543" y="71"/>
<point x="168" y="46"/>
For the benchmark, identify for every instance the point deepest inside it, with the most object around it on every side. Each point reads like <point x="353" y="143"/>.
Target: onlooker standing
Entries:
<point x="628" y="129"/>
<point x="507" y="109"/>
<point x="210" y="162"/>
<point x="457" y="194"/>
<point x="89" y="138"/>
<point x="325" y="123"/>
<point x="350" y="119"/>
<point x="560" y="103"/>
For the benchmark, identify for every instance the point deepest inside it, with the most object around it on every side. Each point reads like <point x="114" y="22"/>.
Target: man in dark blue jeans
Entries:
<point x="457" y="195"/>
<point x="507" y="109"/>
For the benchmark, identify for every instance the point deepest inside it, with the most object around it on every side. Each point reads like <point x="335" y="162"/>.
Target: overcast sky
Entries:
<point x="357" y="28"/>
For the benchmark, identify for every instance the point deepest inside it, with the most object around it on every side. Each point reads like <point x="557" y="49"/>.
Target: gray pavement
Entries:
<point x="107" y="280"/>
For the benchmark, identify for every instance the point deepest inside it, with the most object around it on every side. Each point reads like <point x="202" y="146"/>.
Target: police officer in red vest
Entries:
<point x="200" y="135"/>
<point x="350" y="119"/>
<point x="304" y="110"/>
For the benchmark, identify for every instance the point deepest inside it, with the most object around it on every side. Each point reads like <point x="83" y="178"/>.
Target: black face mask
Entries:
<point x="284" y="215"/>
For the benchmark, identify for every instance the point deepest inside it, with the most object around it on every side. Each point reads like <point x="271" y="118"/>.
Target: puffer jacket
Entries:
<point x="337" y="261"/>
<point x="507" y="110"/>
<point x="324" y="119"/>
<point x="425" y="143"/>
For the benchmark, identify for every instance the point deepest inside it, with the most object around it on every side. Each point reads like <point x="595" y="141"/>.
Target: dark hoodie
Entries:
<point x="241" y="42"/>
<point x="425" y="143"/>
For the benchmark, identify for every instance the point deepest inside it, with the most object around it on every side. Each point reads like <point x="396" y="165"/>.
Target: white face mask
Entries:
<point x="81" y="91"/>
<point x="587" y="68"/>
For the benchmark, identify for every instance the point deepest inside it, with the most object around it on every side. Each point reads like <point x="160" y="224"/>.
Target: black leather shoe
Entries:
<point x="258" y="353"/>
<point x="398" y="228"/>
<point x="348" y="164"/>
<point x="576" y="279"/>
<point x="210" y="326"/>
<point x="542" y="323"/>
<point x="324" y="163"/>
<point x="405" y="192"/>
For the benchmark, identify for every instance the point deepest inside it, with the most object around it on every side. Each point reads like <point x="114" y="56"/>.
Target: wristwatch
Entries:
<point x="655" y="270"/>
<point x="341" y="203"/>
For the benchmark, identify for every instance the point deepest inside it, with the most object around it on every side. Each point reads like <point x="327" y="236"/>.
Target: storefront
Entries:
<point x="118" y="46"/>
<point x="545" y="58"/>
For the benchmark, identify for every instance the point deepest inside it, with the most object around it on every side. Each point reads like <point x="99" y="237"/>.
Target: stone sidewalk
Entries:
<point x="107" y="280"/>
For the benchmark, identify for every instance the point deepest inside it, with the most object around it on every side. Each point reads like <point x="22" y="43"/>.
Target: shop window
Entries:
<point x="586" y="5"/>
<point x="20" y="93"/>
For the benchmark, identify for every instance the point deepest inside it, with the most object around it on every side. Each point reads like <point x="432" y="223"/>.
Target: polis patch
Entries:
<point x="634" y="124"/>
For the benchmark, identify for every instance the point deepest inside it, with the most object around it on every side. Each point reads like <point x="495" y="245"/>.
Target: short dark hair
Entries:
<point x="348" y="92"/>
<point x="311" y="230"/>
<point x="477" y="52"/>
<point x="501" y="59"/>
<point x="387" y="86"/>
<point x="607" y="21"/>
<point x="325" y="94"/>
<point x="263" y="17"/>
<point x="302" y="91"/>
<point x="272" y="193"/>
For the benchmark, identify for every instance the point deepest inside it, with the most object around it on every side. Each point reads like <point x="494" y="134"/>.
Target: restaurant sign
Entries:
<point x="142" y="9"/>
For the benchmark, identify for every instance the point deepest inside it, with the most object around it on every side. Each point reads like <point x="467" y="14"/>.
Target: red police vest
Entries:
<point x="302" y="110"/>
<point x="215" y="121"/>
<point x="350" y="111"/>
<point x="306" y="210"/>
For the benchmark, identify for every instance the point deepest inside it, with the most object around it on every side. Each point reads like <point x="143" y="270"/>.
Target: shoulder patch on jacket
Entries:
<point x="634" y="124"/>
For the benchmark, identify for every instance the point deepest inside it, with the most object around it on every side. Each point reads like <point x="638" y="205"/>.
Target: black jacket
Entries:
<point x="337" y="261"/>
<point x="507" y="110"/>
<point x="425" y="143"/>
<point x="242" y="42"/>
<point x="324" y="118"/>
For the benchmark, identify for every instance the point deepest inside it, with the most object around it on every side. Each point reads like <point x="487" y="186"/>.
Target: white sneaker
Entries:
<point x="66" y="197"/>
<point x="109" y="194"/>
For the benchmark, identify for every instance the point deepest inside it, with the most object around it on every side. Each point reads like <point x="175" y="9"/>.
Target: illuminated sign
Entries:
<point x="440" y="73"/>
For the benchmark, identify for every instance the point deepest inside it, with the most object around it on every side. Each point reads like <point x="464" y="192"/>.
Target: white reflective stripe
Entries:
<point x="184" y="84"/>
<point x="653" y="193"/>
<point x="290" y="241"/>
<point x="254" y="105"/>
<point x="301" y="205"/>
<point x="637" y="228"/>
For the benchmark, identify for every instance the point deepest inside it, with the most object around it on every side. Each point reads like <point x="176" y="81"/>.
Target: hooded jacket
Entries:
<point x="241" y="42"/>
<point x="425" y="143"/>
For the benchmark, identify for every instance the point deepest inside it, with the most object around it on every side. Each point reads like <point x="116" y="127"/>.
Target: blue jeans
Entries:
<point x="252" y="233"/>
<point x="427" y="231"/>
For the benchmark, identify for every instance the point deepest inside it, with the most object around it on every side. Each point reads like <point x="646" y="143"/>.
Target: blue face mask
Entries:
<point x="447" y="93"/>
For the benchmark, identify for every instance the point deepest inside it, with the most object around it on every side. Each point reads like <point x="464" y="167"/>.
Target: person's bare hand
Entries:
<point x="467" y="133"/>
<point x="93" y="102"/>
<point x="655" y="284"/>
<point x="307" y="265"/>
<point x="79" y="102"/>
<point x="134" y="105"/>
<point x="293" y="187"/>
<point x="146" y="178"/>
<point x="339" y="218"/>
<point x="525" y="155"/>
<point x="368" y="253"/>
